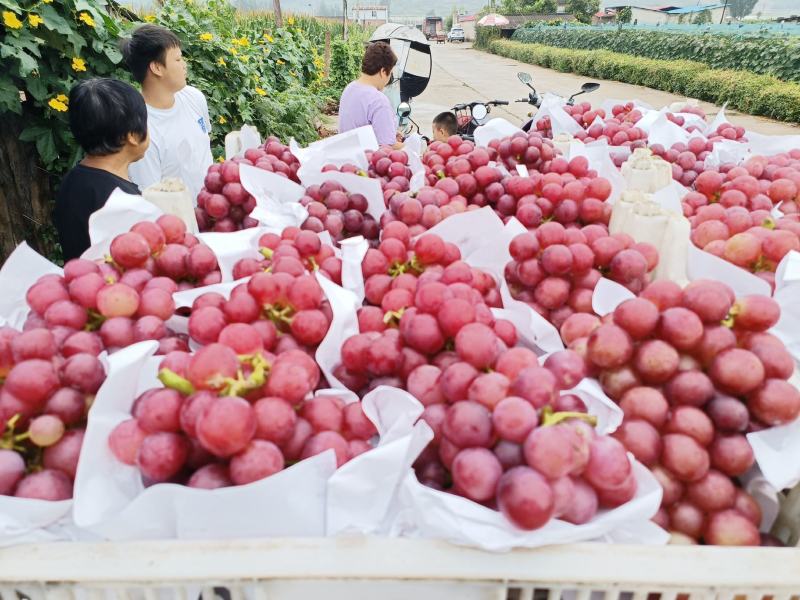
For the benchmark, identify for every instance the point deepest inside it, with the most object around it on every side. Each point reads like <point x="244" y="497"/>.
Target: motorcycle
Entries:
<point x="472" y="115"/>
<point x="534" y="99"/>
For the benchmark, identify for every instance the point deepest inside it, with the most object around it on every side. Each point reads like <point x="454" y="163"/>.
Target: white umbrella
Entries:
<point x="493" y="20"/>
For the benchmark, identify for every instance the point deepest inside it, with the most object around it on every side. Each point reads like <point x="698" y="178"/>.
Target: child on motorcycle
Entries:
<point x="444" y="125"/>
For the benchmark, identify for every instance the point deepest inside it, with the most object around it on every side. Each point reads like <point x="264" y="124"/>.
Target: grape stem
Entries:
<point x="551" y="417"/>
<point x="9" y="440"/>
<point x="175" y="382"/>
<point x="266" y="252"/>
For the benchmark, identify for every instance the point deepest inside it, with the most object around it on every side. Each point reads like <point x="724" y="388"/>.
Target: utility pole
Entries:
<point x="724" y="8"/>
<point x="344" y="19"/>
<point x="276" y="5"/>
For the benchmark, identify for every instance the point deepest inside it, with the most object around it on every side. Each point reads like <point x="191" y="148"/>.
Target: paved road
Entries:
<point x="462" y="74"/>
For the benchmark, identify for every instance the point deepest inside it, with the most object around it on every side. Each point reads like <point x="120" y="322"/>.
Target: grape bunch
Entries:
<point x="393" y="270"/>
<point x="343" y="215"/>
<point x="570" y="193"/>
<point x="391" y="167"/>
<point x="617" y="130"/>
<point x="293" y="251"/>
<point x="272" y="312"/>
<point x="693" y="370"/>
<point x="224" y="420"/>
<point x="510" y="440"/>
<point x="555" y="270"/>
<point x="532" y="150"/>
<point x="44" y="399"/>
<point x="223" y="205"/>
<point x="93" y="308"/>
<point x="163" y="249"/>
<point x="751" y="240"/>
<point x="687" y="159"/>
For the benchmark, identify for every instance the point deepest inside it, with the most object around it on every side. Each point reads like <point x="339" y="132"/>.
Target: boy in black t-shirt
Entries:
<point x="108" y="118"/>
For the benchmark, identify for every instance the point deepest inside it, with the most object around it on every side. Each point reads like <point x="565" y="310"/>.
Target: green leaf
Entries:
<point x="46" y="146"/>
<point x="37" y="88"/>
<point x="30" y="134"/>
<point x="9" y="95"/>
<point x="27" y="63"/>
<point x="54" y="21"/>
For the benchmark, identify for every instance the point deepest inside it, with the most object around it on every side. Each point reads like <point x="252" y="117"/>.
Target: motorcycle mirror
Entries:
<point x="524" y="77"/>
<point x="403" y="110"/>
<point x="479" y="112"/>
<point x="589" y="87"/>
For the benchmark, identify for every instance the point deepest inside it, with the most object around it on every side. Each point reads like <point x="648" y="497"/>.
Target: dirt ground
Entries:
<point x="463" y="74"/>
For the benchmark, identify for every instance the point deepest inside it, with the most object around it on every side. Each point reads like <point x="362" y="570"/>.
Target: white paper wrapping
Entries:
<point x="237" y="142"/>
<point x="344" y="306"/>
<point x="230" y="248"/>
<point x="769" y="145"/>
<point x="20" y="271"/>
<point x="492" y="255"/>
<point x="353" y="251"/>
<point x="111" y="501"/>
<point x="560" y="121"/>
<point x="494" y="129"/>
<point x="362" y="491"/>
<point x="277" y="198"/>
<point x="341" y="149"/>
<point x="422" y="512"/>
<point x="704" y="265"/>
<point x="120" y="212"/>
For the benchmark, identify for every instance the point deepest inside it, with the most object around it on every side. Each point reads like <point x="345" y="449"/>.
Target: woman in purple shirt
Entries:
<point x="363" y="102"/>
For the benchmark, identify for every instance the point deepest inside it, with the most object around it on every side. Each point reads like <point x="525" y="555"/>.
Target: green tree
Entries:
<point x="624" y="15"/>
<point x="703" y="17"/>
<point x="448" y="22"/>
<point x="545" y="6"/>
<point x="741" y="8"/>
<point x="583" y="9"/>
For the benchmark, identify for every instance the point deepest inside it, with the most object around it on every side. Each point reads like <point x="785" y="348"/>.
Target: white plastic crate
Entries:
<point x="388" y="569"/>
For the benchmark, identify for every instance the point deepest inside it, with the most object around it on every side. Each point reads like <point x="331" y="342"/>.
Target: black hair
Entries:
<point x="378" y="56"/>
<point x="102" y="112"/>
<point x="149" y="43"/>
<point x="446" y="121"/>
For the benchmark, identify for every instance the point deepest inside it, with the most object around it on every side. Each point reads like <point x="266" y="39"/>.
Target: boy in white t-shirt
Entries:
<point x="177" y="114"/>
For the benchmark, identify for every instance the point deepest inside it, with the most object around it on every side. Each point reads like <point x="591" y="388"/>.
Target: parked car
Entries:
<point x="456" y="35"/>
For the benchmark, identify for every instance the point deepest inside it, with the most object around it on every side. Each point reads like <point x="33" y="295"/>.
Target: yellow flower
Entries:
<point x="222" y="120"/>
<point x="148" y="18"/>
<point x="78" y="64"/>
<point x="269" y="38"/>
<point x="86" y="18"/>
<point x="206" y="37"/>
<point x="245" y="58"/>
<point x="293" y="73"/>
<point x="280" y="62"/>
<point x="221" y="62"/>
<point x="62" y="98"/>
<point x="260" y="92"/>
<point x="10" y="20"/>
<point x="56" y="104"/>
<point x="35" y="20"/>
<point x="47" y="1"/>
<point x="290" y="20"/>
<point x="234" y="51"/>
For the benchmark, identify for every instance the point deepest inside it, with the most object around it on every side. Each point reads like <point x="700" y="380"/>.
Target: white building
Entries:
<point x="370" y="14"/>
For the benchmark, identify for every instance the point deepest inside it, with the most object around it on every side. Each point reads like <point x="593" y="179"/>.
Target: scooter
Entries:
<point x="406" y="124"/>
<point x="472" y="115"/>
<point x="534" y="99"/>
